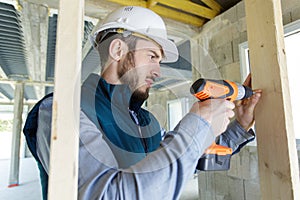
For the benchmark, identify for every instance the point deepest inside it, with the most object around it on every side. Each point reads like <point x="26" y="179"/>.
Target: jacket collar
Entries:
<point x="120" y="95"/>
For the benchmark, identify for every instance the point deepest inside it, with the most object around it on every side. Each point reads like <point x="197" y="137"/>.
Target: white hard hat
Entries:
<point x="145" y="22"/>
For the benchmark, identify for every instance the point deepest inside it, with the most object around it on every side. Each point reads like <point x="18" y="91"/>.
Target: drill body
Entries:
<point x="219" y="89"/>
<point x="217" y="157"/>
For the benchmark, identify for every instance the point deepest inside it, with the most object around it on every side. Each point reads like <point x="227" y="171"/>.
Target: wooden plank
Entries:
<point x="213" y="5"/>
<point x="98" y="9"/>
<point x="151" y="3"/>
<point x="190" y="7"/>
<point x="63" y="175"/>
<point x="179" y="16"/>
<point x="186" y="6"/>
<point x="164" y="12"/>
<point x="278" y="161"/>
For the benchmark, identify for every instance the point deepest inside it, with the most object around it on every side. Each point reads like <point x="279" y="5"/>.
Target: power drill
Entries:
<point x="217" y="157"/>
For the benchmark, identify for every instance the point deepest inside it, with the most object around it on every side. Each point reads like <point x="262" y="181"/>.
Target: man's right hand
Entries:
<point x="217" y="112"/>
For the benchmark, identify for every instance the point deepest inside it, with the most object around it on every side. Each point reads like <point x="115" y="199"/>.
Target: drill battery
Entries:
<point x="215" y="158"/>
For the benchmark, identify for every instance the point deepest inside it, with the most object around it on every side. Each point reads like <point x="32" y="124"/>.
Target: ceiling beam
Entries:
<point x="98" y="9"/>
<point x="35" y="25"/>
<point x="151" y="3"/>
<point x="93" y="8"/>
<point x="178" y="16"/>
<point x="165" y="12"/>
<point x="213" y="5"/>
<point x="190" y="7"/>
<point x="26" y="82"/>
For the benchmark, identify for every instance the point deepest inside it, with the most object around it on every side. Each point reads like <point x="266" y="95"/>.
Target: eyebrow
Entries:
<point x="156" y="54"/>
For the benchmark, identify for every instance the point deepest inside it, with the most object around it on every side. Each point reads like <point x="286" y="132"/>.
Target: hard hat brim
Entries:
<point x="169" y="48"/>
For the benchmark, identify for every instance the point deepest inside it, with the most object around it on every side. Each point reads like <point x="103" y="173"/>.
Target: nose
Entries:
<point x="156" y="71"/>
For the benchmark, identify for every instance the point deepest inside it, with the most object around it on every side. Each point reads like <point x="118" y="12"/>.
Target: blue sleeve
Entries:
<point x="161" y="175"/>
<point x="43" y="134"/>
<point x="235" y="137"/>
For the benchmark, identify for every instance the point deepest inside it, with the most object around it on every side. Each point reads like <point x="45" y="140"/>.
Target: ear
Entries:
<point x="117" y="49"/>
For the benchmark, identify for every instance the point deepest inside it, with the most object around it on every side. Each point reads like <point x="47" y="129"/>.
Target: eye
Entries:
<point x="152" y="56"/>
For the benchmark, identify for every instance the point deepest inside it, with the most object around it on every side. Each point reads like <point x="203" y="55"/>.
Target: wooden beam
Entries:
<point x="278" y="161"/>
<point x="63" y="174"/>
<point x="98" y="9"/>
<point x="151" y="3"/>
<point x="213" y="5"/>
<point x="179" y="16"/>
<point x="35" y="25"/>
<point x="190" y="7"/>
<point x="164" y="12"/>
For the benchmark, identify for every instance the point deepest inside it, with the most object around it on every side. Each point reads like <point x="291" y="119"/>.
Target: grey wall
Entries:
<point x="218" y="49"/>
<point x="217" y="45"/>
<point x="215" y="54"/>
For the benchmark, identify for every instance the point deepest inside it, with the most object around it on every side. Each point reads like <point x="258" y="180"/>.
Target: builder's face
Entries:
<point x="144" y="64"/>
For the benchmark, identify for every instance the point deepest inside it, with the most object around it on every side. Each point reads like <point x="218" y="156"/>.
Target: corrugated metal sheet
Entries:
<point x="12" y="54"/>
<point x="88" y="27"/>
<point x="12" y="51"/>
<point x="52" y="30"/>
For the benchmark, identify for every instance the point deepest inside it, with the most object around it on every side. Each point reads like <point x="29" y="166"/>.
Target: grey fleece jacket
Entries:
<point x="161" y="175"/>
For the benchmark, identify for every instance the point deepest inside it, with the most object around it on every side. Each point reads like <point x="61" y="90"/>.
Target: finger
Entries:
<point x="253" y="101"/>
<point x="257" y="91"/>
<point x="230" y="104"/>
<point x="230" y="114"/>
<point x="245" y="101"/>
<point x="255" y="97"/>
<point x="238" y="103"/>
<point x="227" y="121"/>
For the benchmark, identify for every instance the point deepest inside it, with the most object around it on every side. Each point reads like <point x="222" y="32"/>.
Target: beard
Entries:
<point x="140" y="96"/>
<point x="128" y="75"/>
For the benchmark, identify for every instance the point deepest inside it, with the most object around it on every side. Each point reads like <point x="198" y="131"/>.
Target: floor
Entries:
<point x="29" y="185"/>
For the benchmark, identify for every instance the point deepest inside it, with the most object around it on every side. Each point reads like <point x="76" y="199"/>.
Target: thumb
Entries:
<point x="254" y="99"/>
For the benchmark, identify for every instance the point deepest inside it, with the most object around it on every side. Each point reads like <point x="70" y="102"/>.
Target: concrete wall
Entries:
<point x="218" y="46"/>
<point x="218" y="42"/>
<point x="239" y="183"/>
<point x="215" y="54"/>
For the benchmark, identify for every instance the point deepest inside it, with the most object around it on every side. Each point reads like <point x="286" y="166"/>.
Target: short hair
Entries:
<point x="103" y="42"/>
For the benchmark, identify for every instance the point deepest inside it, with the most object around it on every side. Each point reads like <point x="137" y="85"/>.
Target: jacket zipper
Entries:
<point x="134" y="115"/>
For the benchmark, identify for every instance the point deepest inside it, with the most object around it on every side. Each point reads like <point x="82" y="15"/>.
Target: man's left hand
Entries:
<point x="245" y="108"/>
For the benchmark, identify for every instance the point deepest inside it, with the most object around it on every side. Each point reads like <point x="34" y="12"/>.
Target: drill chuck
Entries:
<point x="244" y="92"/>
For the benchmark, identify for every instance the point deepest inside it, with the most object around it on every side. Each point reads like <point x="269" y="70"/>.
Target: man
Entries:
<point x="122" y="154"/>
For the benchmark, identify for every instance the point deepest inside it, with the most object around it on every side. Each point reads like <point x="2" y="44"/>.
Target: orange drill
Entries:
<point x="217" y="157"/>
